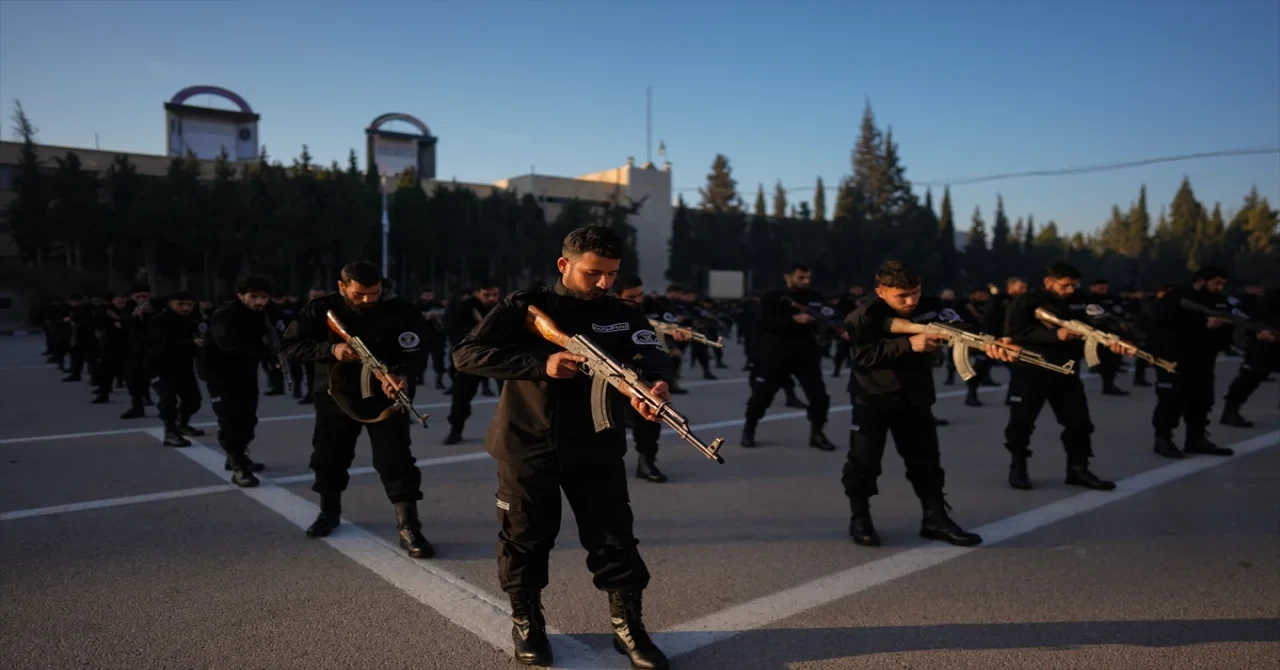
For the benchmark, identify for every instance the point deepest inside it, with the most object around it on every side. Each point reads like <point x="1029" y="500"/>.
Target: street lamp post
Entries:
<point x="386" y="228"/>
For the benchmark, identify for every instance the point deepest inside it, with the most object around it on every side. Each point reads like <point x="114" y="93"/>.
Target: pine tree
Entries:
<point x="721" y="192"/>
<point x="1212" y="235"/>
<point x="803" y="211"/>
<point x="1261" y="226"/>
<point x="779" y="201"/>
<point x="819" y="202"/>
<point x="868" y="168"/>
<point x="30" y="208"/>
<point x="975" y="249"/>
<point x="760" y="208"/>
<point x="1113" y="232"/>
<point x="1048" y="238"/>
<point x="1138" y="228"/>
<point x="896" y="198"/>
<point x="946" y="240"/>
<point x="1029" y="242"/>
<point x="1237" y="236"/>
<point x="1000" y="256"/>
<point x="1186" y="223"/>
<point x="1016" y="237"/>
<point x="680" y="251"/>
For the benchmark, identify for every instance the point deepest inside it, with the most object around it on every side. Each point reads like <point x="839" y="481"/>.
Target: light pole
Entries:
<point x="386" y="227"/>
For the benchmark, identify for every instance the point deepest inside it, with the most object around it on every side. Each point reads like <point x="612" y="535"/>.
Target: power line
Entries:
<point x="1271" y="149"/>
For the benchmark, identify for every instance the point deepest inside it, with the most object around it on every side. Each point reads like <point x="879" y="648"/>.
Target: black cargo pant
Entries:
<point x="1186" y="396"/>
<point x="464" y="391"/>
<point x="529" y="514"/>
<point x="1030" y="388"/>
<point x="1108" y="366"/>
<point x="644" y="433"/>
<point x="776" y="374"/>
<point x="1261" y="360"/>
<point x="111" y="366"/>
<point x="177" y="395"/>
<point x="236" y="406"/>
<point x="333" y="447"/>
<point x="915" y="434"/>
<point x="136" y="379"/>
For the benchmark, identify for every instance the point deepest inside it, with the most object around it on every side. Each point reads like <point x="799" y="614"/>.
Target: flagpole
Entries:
<point x="648" y="124"/>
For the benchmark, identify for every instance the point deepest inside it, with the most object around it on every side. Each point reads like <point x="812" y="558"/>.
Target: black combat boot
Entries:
<point x="1165" y="447"/>
<point x="1231" y="417"/>
<point x="971" y="398"/>
<point x="1079" y="475"/>
<point x="818" y="439"/>
<point x="529" y="629"/>
<point x="1200" y="444"/>
<point x="1018" y="477"/>
<point x="252" y="465"/>
<point x="647" y="469"/>
<point x="135" y="410"/>
<point x="172" y="436"/>
<point x="629" y="636"/>
<point x="242" y="471"/>
<point x="455" y="433"/>
<point x="861" y="529"/>
<point x="936" y="525"/>
<point x="748" y="434"/>
<point x="411" y="539"/>
<point x="185" y="428"/>
<point x="102" y="397"/>
<point x="1111" y="389"/>
<point x="330" y="516"/>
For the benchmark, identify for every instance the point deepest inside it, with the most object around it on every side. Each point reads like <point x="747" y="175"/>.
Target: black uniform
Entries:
<point x="788" y="348"/>
<point x="171" y="352"/>
<point x="1033" y="386"/>
<point x="282" y="315"/>
<point x="974" y="314"/>
<point x="544" y="441"/>
<point x="1139" y="313"/>
<point x="1261" y="359"/>
<point x="1111" y="322"/>
<point x="235" y="345"/>
<point x="465" y="317"/>
<point x="113" y="345"/>
<point x="393" y="331"/>
<point x="1183" y="336"/>
<point x="137" y="381"/>
<point x="436" y="340"/>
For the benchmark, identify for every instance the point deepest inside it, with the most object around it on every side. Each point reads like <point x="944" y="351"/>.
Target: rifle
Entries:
<point x="1243" y="323"/>
<point x="273" y="344"/>
<point x="371" y="363"/>
<point x="605" y="371"/>
<point x="664" y="328"/>
<point x="1093" y="337"/>
<point x="826" y="318"/>
<point x="962" y="341"/>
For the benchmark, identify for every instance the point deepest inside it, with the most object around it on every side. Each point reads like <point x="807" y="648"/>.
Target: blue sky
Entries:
<point x="969" y="88"/>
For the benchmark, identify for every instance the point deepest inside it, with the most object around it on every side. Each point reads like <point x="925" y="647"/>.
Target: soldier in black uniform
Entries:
<point x="1262" y="357"/>
<point x="998" y="308"/>
<point x="235" y="344"/>
<point x="281" y="313"/>
<point x="973" y="313"/>
<point x="1109" y="361"/>
<point x="844" y="307"/>
<point x="433" y="310"/>
<point x="346" y="400"/>
<point x="789" y="346"/>
<point x="539" y="454"/>
<point x="307" y="381"/>
<point x="173" y="344"/>
<point x="466" y="316"/>
<point x="1034" y="386"/>
<point x="1193" y="341"/>
<point x="80" y="341"/>
<point x="646" y="433"/>
<point x="113" y="343"/>
<point x="140" y="312"/>
<point x="891" y="390"/>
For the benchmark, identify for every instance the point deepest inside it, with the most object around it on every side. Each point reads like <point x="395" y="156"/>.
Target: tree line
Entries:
<point x="82" y="230"/>
<point x="878" y="216"/>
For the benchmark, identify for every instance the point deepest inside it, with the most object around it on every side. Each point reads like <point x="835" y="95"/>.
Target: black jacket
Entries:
<point x="886" y="372"/>
<point x="779" y="333"/>
<point x="543" y="418"/>
<point x="393" y="330"/>
<point x="465" y="317"/>
<point x="1182" y="335"/>
<point x="1031" y="333"/>
<point x="171" y="347"/>
<point x="235" y="344"/>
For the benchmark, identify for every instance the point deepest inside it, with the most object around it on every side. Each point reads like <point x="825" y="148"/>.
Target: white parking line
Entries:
<point x="114" y="502"/>
<point x="770" y="609"/>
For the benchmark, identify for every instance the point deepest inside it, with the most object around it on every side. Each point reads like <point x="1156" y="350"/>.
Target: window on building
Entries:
<point x="7" y="174"/>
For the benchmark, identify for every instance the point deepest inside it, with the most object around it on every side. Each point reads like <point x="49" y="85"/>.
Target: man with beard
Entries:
<point x="468" y="314"/>
<point x="236" y="345"/>
<point x="173" y="343"/>
<point x="137" y="381"/>
<point x="1034" y="386"/>
<point x="346" y="402"/>
<point x="545" y="441"/>
<point x="113" y="342"/>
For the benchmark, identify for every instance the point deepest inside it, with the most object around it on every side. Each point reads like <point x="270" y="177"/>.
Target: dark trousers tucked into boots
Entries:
<point x="465" y="387"/>
<point x="1031" y="389"/>
<point x="645" y="434"/>
<point x="237" y="411"/>
<point x="177" y="400"/>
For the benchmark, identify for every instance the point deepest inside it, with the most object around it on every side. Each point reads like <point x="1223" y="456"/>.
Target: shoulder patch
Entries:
<point x="611" y="328"/>
<point x="669" y="317"/>
<point x="203" y="327"/>
<point x="408" y="339"/>
<point x="645" y="337"/>
<point x="827" y="311"/>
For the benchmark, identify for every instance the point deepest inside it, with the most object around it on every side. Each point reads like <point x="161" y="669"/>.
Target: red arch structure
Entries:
<point x="189" y="92"/>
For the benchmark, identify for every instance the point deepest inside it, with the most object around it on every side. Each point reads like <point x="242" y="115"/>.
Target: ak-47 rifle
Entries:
<point x="664" y="328"/>
<point x="962" y="341"/>
<point x="375" y="366"/>
<point x="825" y="317"/>
<point x="1244" y="324"/>
<point x="1094" y="337"/>
<point x="605" y="371"/>
<point x="273" y="344"/>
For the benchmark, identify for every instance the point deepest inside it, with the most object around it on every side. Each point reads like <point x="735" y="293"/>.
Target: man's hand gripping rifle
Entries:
<point x="1094" y="337"/>
<point x="605" y="372"/>
<point x="962" y="341"/>
<point x="1243" y="323"/>
<point x="377" y="367"/>
<point x="689" y="334"/>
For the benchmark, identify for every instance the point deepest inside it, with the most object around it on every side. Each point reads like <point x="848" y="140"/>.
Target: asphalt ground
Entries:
<point x="117" y="552"/>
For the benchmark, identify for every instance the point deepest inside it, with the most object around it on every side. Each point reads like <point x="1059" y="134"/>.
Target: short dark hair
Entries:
<point x="254" y="284"/>
<point x="1014" y="278"/>
<point x="1211" y="272"/>
<point x="896" y="274"/>
<point x="363" y="273"/>
<point x="602" y="241"/>
<point x="1061" y="270"/>
<point x="675" y="288"/>
<point x="798" y="267"/>
<point x="626" y="282"/>
<point x="141" y="288"/>
<point x="485" y="283"/>
<point x="1099" y="282"/>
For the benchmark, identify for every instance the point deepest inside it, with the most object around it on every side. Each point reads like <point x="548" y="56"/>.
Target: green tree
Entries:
<point x="1187" y="226"/>
<point x="1261" y="226"/>
<point x="819" y="201"/>
<point x="74" y="212"/>
<point x="869" y="173"/>
<point x="1001" y="253"/>
<point x="721" y="192"/>
<point x="803" y="211"/>
<point x="760" y="209"/>
<point x="1049" y="241"/>
<point x="946" y="241"/>
<point x="779" y="201"/>
<point x="680" y="249"/>
<point x="975" y="250"/>
<point x="28" y="212"/>
<point x="123" y="212"/>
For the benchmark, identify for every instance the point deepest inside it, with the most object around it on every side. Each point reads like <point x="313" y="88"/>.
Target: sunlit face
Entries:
<point x="900" y="300"/>
<point x="798" y="279"/>
<point x="588" y="276"/>
<point x="358" y="295"/>
<point x="488" y="297"/>
<point x="255" y="300"/>
<point x="1063" y="287"/>
<point x="634" y="294"/>
<point x="183" y="307"/>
